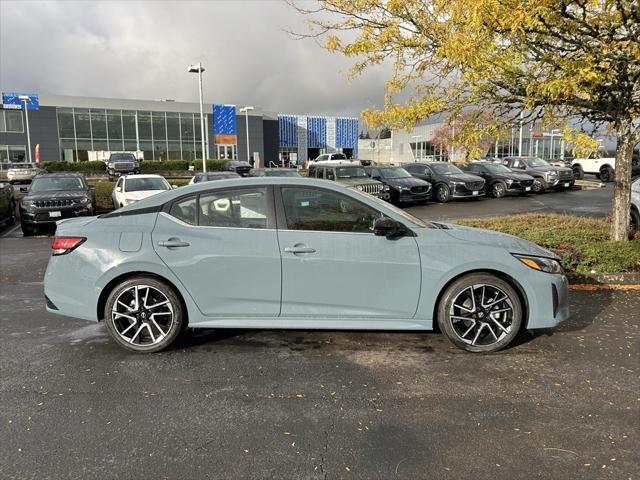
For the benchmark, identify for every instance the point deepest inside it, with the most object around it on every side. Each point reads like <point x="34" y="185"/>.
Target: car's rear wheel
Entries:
<point x="144" y="315"/>
<point x="578" y="173"/>
<point x="480" y="313"/>
<point x="443" y="193"/>
<point x="607" y="174"/>
<point x="498" y="190"/>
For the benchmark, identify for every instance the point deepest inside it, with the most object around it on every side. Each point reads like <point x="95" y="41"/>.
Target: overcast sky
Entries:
<point x="141" y="50"/>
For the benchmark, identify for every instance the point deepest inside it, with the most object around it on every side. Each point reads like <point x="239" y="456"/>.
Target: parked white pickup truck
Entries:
<point x="602" y="167"/>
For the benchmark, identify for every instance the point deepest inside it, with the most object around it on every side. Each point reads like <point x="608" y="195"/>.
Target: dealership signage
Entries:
<point x="12" y="101"/>
<point x="224" y="124"/>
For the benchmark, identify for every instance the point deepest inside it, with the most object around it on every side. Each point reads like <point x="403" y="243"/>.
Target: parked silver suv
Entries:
<point x="546" y="176"/>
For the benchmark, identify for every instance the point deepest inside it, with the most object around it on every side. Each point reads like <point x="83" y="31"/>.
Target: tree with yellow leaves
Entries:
<point x="558" y="59"/>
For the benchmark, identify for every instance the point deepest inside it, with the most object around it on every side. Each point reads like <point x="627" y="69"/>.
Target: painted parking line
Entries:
<point x="10" y="231"/>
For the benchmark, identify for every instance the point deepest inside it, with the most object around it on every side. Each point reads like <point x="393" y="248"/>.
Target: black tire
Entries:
<point x="26" y="230"/>
<point x="578" y="173"/>
<point x="607" y="174"/>
<point x="634" y="220"/>
<point x="498" y="189"/>
<point x="11" y="220"/>
<point x="539" y="185"/>
<point x="461" y="287"/>
<point x="115" y="322"/>
<point x="443" y="193"/>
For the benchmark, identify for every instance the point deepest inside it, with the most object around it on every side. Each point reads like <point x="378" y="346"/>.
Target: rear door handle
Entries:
<point x="173" y="243"/>
<point x="299" y="249"/>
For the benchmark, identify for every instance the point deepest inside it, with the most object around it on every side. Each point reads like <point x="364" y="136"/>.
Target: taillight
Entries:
<point x="64" y="245"/>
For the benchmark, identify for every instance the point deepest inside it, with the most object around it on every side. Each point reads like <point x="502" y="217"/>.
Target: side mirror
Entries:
<point x="392" y="229"/>
<point x="118" y="189"/>
<point x="24" y="189"/>
<point x="173" y="187"/>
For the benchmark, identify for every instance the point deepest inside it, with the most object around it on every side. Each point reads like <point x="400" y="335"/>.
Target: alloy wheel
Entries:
<point x="481" y="315"/>
<point x="537" y="186"/>
<point x="497" y="190"/>
<point x="142" y="315"/>
<point x="442" y="193"/>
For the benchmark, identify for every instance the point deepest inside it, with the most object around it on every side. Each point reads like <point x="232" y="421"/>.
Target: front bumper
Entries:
<point x="561" y="182"/>
<point x="549" y="305"/>
<point x="407" y="196"/>
<point x="118" y="173"/>
<point x="42" y="217"/>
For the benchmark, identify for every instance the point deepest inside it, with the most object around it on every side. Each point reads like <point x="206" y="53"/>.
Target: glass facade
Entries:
<point x="427" y="151"/>
<point x="11" y="121"/>
<point x="11" y="154"/>
<point x="158" y="135"/>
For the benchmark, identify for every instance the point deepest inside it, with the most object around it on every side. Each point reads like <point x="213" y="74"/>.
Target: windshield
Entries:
<point x="118" y="157"/>
<point x="445" y="168"/>
<point x="50" y="184"/>
<point x="394" y="173"/>
<point x="537" y="162"/>
<point x="350" y="172"/>
<point x="496" y="168"/>
<point x="281" y="173"/>
<point x="387" y="205"/>
<point x="142" y="184"/>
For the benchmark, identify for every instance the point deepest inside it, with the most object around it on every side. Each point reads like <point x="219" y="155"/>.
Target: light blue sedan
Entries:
<point x="296" y="253"/>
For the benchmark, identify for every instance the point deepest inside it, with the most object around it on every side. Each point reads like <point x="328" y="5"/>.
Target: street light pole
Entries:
<point x="246" y="111"/>
<point x="25" y="99"/>
<point x="199" y="69"/>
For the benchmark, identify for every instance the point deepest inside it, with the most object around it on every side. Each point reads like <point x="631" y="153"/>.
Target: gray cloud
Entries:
<point x="141" y="49"/>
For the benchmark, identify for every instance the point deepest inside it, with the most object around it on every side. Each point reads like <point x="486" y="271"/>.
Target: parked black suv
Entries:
<point x="211" y="176"/>
<point x="448" y="180"/>
<point x="500" y="179"/>
<point x="122" y="164"/>
<point x="52" y="197"/>
<point x="546" y="176"/>
<point x="241" y="168"/>
<point x="273" y="172"/>
<point x="403" y="188"/>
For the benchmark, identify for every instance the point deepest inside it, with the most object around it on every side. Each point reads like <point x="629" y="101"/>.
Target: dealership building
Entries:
<point x="87" y="128"/>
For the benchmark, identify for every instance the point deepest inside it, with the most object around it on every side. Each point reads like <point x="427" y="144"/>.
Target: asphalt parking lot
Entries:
<point x="313" y="405"/>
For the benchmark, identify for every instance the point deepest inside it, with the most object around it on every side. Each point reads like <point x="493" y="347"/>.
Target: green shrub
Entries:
<point x="154" y="166"/>
<point x="103" y="192"/>
<point x="62" y="166"/>
<point x="581" y="242"/>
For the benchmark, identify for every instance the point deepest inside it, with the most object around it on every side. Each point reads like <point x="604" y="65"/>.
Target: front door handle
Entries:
<point x="299" y="248"/>
<point x="173" y="243"/>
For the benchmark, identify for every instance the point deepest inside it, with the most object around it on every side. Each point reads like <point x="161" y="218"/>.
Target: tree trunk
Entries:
<point x="622" y="185"/>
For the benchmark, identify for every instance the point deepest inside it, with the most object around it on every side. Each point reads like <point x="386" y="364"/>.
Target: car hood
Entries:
<point x="141" y="194"/>
<point x="405" y="182"/>
<point x="510" y="243"/>
<point x="357" y="181"/>
<point x="462" y="177"/>
<point x="59" y="195"/>
<point x="515" y="176"/>
<point x="552" y="168"/>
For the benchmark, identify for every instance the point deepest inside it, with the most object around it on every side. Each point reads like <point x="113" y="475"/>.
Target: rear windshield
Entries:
<point x="142" y="184"/>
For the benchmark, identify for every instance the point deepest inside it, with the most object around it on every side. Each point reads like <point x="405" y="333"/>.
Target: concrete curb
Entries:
<point x="631" y="278"/>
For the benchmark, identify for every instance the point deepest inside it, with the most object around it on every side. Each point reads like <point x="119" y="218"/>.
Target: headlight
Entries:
<point x="551" y="173"/>
<point x="385" y="188"/>
<point x="29" y="204"/>
<point x="542" y="264"/>
<point x="129" y="201"/>
<point x="457" y="183"/>
<point x="359" y="187"/>
<point x="509" y="181"/>
<point x="84" y="201"/>
<point x="110" y="165"/>
<point x="404" y="188"/>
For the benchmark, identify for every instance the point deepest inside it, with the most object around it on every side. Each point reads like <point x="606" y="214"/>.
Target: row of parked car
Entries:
<point x="52" y="197"/>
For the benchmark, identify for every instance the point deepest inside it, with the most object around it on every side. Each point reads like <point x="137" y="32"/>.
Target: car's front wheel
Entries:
<point x="480" y="313"/>
<point x="539" y="185"/>
<point x="498" y="190"/>
<point x="443" y="193"/>
<point x="144" y="315"/>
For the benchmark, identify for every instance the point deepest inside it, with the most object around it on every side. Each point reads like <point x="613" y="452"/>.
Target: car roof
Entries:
<point x="147" y="175"/>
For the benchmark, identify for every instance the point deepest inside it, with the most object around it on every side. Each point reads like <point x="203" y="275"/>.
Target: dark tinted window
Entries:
<point x="323" y="210"/>
<point x="185" y="210"/>
<point x="330" y="175"/>
<point x="243" y="208"/>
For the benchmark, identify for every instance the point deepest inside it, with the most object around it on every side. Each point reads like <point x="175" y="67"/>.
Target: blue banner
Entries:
<point x="347" y="133"/>
<point x="224" y="120"/>
<point x="317" y="136"/>
<point x="287" y="130"/>
<point x="12" y="100"/>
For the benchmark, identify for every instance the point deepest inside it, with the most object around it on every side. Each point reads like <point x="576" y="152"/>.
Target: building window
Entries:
<point x="83" y="124"/>
<point x="144" y="125"/>
<point x="129" y="125"/>
<point x="114" y="125"/>
<point x="11" y="121"/>
<point x="17" y="153"/>
<point x="98" y="124"/>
